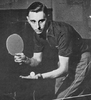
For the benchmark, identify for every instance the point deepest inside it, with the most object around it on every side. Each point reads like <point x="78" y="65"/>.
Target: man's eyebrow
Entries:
<point x="32" y="20"/>
<point x="42" y="19"/>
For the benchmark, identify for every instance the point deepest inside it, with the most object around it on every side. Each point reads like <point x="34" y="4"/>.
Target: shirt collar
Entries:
<point x="50" y="29"/>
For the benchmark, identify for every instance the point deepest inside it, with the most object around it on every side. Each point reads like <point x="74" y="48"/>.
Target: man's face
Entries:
<point x="37" y="21"/>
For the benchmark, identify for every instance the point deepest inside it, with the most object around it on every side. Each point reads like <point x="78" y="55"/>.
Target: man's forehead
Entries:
<point x="36" y="15"/>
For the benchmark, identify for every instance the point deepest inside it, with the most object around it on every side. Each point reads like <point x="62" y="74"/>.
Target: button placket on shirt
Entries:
<point x="47" y="38"/>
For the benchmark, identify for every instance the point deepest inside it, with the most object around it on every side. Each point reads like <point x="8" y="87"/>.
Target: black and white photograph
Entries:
<point x="45" y="49"/>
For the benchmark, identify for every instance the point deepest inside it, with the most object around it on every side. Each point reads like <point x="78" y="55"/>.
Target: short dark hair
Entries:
<point x="36" y="7"/>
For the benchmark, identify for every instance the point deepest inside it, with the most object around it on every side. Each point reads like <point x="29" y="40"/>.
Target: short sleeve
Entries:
<point x="65" y="45"/>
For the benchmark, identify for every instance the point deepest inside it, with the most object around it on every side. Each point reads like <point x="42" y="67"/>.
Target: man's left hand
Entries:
<point x="31" y="77"/>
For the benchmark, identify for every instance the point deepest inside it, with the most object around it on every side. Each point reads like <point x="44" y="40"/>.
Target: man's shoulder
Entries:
<point x="61" y="25"/>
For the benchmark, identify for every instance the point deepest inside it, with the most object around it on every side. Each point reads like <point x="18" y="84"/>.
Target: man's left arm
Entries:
<point x="60" y="71"/>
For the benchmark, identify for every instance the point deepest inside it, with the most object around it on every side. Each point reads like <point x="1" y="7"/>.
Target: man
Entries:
<point x="73" y="53"/>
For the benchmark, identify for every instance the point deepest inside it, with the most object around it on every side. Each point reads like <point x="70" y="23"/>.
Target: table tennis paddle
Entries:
<point x="14" y="44"/>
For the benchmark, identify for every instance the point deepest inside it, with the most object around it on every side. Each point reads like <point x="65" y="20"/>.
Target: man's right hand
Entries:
<point x="19" y="57"/>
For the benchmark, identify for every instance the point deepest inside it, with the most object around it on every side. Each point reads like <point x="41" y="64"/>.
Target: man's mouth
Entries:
<point x="38" y="31"/>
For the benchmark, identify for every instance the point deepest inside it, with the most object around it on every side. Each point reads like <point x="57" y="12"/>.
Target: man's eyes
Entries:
<point x="33" y="21"/>
<point x="42" y="20"/>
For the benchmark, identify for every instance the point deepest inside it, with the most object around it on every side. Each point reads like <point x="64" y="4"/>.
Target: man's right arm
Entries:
<point x="34" y="61"/>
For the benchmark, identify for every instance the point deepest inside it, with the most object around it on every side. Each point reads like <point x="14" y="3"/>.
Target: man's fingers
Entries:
<point x="29" y="77"/>
<point x="26" y="77"/>
<point x="19" y="57"/>
<point x="18" y="60"/>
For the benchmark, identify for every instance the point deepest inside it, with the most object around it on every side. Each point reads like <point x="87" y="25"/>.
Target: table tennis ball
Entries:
<point x="32" y="74"/>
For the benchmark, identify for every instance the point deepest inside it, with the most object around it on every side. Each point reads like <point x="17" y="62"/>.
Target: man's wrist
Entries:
<point x="27" y="60"/>
<point x="30" y="61"/>
<point x="40" y="77"/>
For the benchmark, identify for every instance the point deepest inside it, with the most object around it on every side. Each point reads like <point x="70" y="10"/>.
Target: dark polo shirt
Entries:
<point x="61" y="36"/>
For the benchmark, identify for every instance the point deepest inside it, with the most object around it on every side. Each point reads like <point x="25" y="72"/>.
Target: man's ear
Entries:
<point x="27" y="18"/>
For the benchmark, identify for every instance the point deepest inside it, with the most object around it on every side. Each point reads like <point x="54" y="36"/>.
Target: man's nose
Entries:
<point x="38" y="26"/>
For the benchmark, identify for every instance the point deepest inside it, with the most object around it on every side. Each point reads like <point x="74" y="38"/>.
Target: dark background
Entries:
<point x="11" y="22"/>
